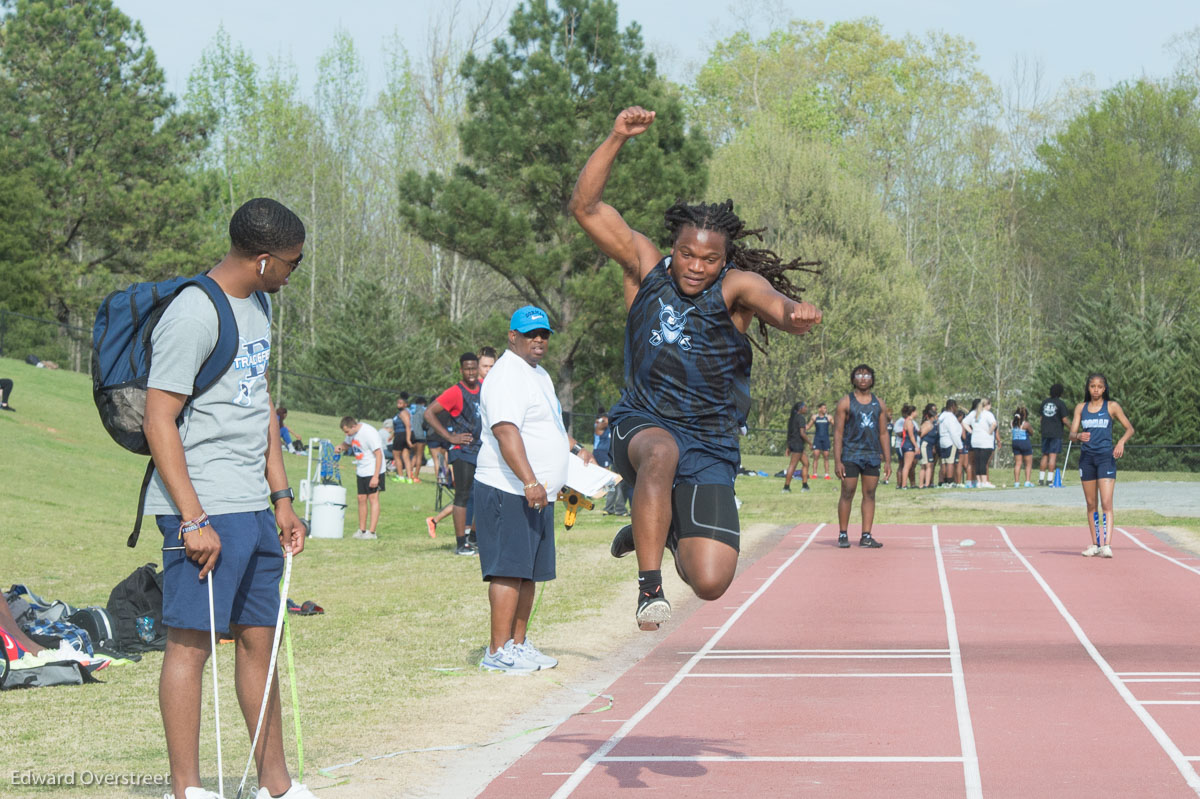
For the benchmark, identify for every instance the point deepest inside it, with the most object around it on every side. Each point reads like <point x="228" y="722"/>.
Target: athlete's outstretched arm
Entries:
<point x="752" y="294"/>
<point x="604" y="225"/>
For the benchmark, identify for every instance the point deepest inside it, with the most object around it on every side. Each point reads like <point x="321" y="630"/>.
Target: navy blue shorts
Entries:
<point x="907" y="446"/>
<point x="821" y="444"/>
<point x="245" y="580"/>
<point x="700" y="462"/>
<point x="1097" y="466"/>
<point x="514" y="539"/>
<point x="1022" y="447"/>
<point x="965" y="448"/>
<point x="1051" y="446"/>
<point x="948" y="453"/>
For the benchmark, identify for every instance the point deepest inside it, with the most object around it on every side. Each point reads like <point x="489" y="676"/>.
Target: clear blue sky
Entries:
<point x="1114" y="40"/>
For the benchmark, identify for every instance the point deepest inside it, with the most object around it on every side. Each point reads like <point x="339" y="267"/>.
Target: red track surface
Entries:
<point x="1012" y="667"/>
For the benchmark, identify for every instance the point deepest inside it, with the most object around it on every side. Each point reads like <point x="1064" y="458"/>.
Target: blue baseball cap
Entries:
<point x="530" y="317"/>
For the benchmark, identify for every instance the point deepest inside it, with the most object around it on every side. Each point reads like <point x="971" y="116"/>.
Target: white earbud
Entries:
<point x="262" y="266"/>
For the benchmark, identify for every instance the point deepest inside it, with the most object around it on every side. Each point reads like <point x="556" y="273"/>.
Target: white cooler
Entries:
<point x="328" y="507"/>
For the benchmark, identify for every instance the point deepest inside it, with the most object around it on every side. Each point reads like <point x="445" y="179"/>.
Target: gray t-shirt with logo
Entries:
<point x="225" y="429"/>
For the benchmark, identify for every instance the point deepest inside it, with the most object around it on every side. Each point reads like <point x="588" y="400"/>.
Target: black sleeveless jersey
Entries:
<point x="686" y="362"/>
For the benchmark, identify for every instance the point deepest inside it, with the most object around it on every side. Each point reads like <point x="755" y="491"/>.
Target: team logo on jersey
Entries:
<point x="252" y="360"/>
<point x="866" y="420"/>
<point x="672" y="327"/>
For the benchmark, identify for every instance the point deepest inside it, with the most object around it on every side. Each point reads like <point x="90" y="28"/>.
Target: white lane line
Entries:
<point x="846" y="674"/>
<point x="1169" y="702"/>
<point x="825" y="657"/>
<point x="586" y="766"/>
<point x="1158" y="673"/>
<point x="966" y="735"/>
<point x="1179" y="563"/>
<point x="823" y="651"/>
<point x="1162" y="679"/>
<point x="778" y="759"/>
<point x="1164" y="740"/>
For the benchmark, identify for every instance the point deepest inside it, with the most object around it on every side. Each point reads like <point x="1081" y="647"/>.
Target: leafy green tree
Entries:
<point x="1115" y="199"/>
<point x="538" y="104"/>
<point x="1144" y="357"/>
<point x="84" y="110"/>
<point x="868" y="292"/>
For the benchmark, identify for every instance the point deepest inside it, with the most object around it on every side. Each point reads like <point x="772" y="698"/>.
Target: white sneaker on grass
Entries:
<point x="1106" y="551"/>
<point x="530" y="654"/>
<point x="1091" y="552"/>
<point x="297" y="791"/>
<point x="505" y="660"/>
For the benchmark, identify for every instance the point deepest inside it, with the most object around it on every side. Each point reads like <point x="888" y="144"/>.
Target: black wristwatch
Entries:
<point x="578" y="448"/>
<point x="283" y="493"/>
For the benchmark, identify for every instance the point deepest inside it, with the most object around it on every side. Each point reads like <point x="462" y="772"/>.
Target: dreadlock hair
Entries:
<point x="720" y="218"/>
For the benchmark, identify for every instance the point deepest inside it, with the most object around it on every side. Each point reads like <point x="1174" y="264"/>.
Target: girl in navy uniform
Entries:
<point x="1022" y="446"/>
<point x="819" y="424"/>
<point x="1092" y="427"/>
<point x="928" y="443"/>
<point x="860" y="447"/>
<point x="796" y="439"/>
<point x="687" y="373"/>
<point x="908" y="445"/>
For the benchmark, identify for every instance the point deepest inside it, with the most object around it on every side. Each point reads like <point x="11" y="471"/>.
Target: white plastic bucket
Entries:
<point x="328" y="511"/>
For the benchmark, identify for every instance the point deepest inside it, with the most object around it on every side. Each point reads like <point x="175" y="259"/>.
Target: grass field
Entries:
<point x="392" y="663"/>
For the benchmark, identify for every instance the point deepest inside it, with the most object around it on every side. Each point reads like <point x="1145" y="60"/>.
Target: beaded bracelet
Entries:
<point x="195" y="525"/>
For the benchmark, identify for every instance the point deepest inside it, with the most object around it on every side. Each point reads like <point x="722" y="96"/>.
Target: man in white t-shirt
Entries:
<point x="364" y="443"/>
<point x="949" y="443"/>
<point x="522" y="464"/>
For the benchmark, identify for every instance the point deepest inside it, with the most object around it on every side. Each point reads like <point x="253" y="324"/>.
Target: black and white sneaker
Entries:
<point x="653" y="609"/>
<point x="622" y="543"/>
<point x="843" y="540"/>
<point x="868" y="542"/>
<point x="465" y="549"/>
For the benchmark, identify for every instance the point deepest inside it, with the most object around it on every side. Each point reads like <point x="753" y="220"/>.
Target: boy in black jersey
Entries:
<point x="860" y="447"/>
<point x="687" y="374"/>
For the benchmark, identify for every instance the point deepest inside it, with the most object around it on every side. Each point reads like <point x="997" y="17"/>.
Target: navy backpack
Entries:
<point x="121" y="355"/>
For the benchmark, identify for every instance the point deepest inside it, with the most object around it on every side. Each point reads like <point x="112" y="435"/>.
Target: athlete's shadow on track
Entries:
<point x="629" y="773"/>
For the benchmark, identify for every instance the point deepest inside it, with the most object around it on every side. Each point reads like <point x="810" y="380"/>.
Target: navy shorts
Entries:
<point x="435" y="443"/>
<point x="948" y="453"/>
<point x="853" y="469"/>
<point x="927" y="453"/>
<point x="1051" y="446"/>
<point x="1097" y="466"/>
<point x="907" y="446"/>
<point x="1022" y="447"/>
<point x="700" y="462"/>
<point x="514" y="539"/>
<point x="245" y="580"/>
<point x="821" y="444"/>
<point x="965" y="449"/>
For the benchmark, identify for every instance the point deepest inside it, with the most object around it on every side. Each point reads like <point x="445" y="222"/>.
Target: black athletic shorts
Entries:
<point x="852" y="469"/>
<point x="464" y="481"/>
<point x="364" y="485"/>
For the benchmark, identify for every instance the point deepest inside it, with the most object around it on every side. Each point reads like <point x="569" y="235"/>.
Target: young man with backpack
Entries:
<point x="218" y="470"/>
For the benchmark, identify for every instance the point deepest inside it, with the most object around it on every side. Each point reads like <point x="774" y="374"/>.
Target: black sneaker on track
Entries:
<point x="787" y="489"/>
<point x="804" y="487"/>
<point x="653" y="609"/>
<point x="867" y="541"/>
<point x="843" y="540"/>
<point x="622" y="543"/>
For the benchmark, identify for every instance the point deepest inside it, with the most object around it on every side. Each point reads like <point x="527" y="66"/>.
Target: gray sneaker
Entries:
<point x="506" y="661"/>
<point x="529" y="653"/>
